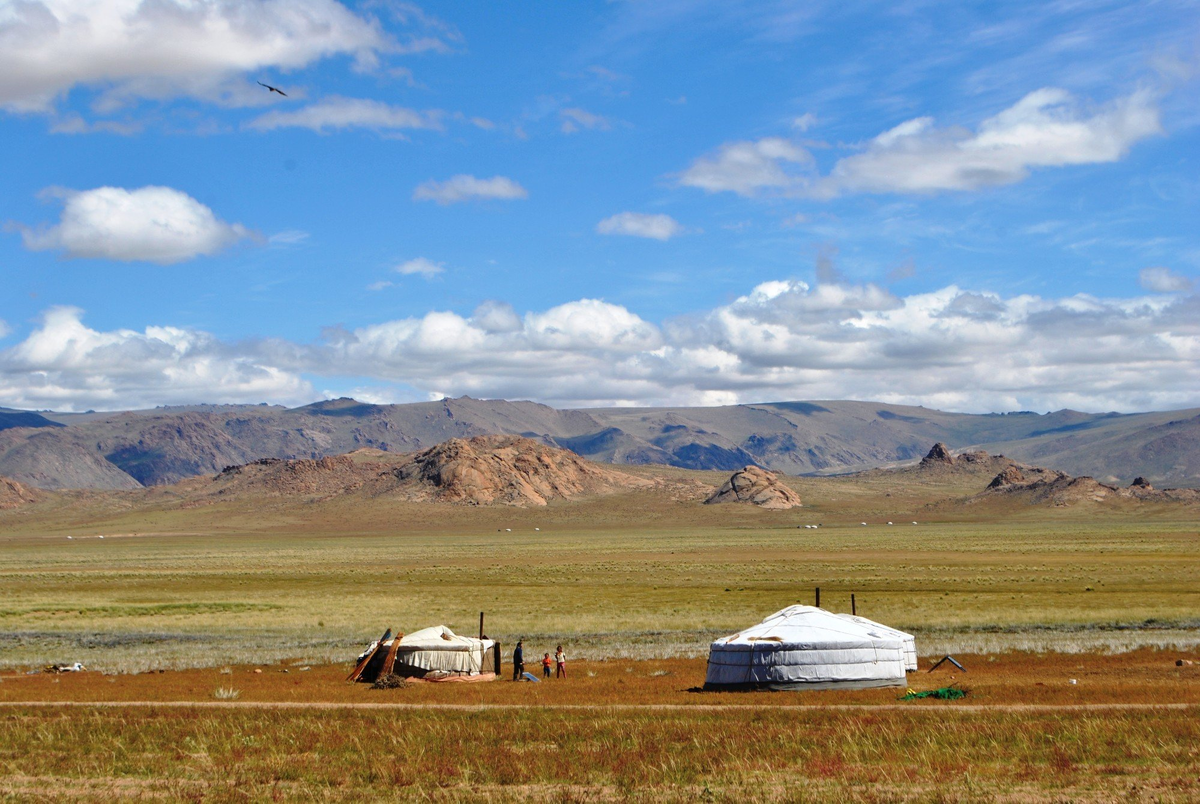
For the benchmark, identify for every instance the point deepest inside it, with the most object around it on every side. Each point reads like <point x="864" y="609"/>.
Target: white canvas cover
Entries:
<point x="910" y="642"/>
<point x="806" y="647"/>
<point x="439" y="648"/>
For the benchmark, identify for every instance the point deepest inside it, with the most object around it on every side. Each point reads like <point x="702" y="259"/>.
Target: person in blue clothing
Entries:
<point x="518" y="660"/>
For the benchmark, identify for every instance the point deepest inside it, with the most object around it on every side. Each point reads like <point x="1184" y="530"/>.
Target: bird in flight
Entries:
<point x="273" y="89"/>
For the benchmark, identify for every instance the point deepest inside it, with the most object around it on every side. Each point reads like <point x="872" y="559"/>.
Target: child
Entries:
<point x="546" y="666"/>
<point x="560" y="659"/>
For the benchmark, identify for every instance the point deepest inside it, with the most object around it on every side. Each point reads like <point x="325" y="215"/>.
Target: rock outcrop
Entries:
<point x="756" y="486"/>
<point x="14" y="495"/>
<point x="1011" y="476"/>
<point x="274" y="477"/>
<point x="1035" y="485"/>
<point x="938" y="455"/>
<point x="508" y="470"/>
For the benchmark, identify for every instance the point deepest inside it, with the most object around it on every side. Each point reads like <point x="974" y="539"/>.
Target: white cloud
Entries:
<point x="784" y="339"/>
<point x="64" y="364"/>
<point x="288" y="237"/>
<point x="464" y="188"/>
<point x="150" y="224"/>
<point x="421" y="267"/>
<point x="336" y="113"/>
<point x="133" y="49"/>
<point x="638" y="224"/>
<point x="1046" y="128"/>
<point x="746" y="168"/>
<point x="804" y="122"/>
<point x="1164" y="280"/>
<point x="74" y="124"/>
<point x="496" y="317"/>
<point x="575" y="119"/>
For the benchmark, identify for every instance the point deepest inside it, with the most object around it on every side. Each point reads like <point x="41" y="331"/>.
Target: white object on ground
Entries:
<point x="804" y="647"/>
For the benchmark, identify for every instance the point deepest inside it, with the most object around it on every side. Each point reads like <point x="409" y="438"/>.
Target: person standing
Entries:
<point x="518" y="660"/>
<point x="546" y="666"/>
<point x="560" y="663"/>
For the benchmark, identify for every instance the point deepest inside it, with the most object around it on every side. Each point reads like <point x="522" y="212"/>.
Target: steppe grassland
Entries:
<point x="583" y="755"/>
<point x="641" y="574"/>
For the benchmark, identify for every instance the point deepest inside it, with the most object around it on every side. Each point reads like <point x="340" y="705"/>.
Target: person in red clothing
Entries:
<point x="546" y="666"/>
<point x="560" y="660"/>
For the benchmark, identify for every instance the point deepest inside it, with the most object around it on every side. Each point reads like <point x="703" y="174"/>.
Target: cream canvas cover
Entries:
<point x="439" y="648"/>
<point x="806" y="647"/>
<point x="910" y="642"/>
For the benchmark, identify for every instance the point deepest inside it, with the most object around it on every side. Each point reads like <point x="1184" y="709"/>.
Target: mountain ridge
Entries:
<point x="127" y="449"/>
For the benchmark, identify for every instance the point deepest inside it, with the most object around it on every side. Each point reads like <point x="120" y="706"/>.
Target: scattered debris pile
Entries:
<point x="390" y="682"/>
<point x="73" y="667"/>
<point x="756" y="486"/>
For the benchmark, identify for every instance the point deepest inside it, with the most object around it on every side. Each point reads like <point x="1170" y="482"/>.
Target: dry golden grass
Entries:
<point x="644" y="574"/>
<point x="547" y="754"/>
<point x="239" y="586"/>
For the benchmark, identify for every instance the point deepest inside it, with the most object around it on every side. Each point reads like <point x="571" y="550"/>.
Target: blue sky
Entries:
<point x="968" y="206"/>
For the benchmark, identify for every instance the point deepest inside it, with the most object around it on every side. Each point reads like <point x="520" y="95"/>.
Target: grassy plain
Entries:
<point x="555" y="755"/>
<point x="1127" y="730"/>
<point x="643" y="574"/>
<point x="643" y="579"/>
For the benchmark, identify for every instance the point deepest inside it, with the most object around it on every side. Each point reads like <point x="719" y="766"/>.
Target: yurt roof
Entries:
<point x="439" y="637"/>
<point x="808" y="628"/>
<point x="876" y="626"/>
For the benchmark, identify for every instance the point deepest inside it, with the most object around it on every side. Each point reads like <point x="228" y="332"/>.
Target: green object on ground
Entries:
<point x="942" y="694"/>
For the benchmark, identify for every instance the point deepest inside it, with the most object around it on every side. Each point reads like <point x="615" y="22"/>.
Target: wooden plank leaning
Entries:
<point x="367" y="659"/>
<point x="389" y="661"/>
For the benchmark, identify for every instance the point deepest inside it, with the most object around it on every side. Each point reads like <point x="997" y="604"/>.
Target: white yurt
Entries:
<point x="910" y="642"/>
<point x="432" y="654"/>
<point x="804" y="647"/>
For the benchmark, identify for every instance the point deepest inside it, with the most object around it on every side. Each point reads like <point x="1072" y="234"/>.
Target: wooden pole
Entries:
<point x="818" y="603"/>
<point x="389" y="661"/>
<point x="481" y="625"/>
<point x="853" y="608"/>
<point x="367" y="659"/>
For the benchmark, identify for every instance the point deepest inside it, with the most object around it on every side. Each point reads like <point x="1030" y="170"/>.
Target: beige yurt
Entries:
<point x="431" y="654"/>
<point x="804" y="647"/>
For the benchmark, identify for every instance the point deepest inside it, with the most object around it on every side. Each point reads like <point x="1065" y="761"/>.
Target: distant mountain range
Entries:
<point x="154" y="447"/>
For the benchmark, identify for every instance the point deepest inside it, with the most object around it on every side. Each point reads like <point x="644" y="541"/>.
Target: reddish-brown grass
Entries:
<point x="544" y="753"/>
<point x="1138" y="677"/>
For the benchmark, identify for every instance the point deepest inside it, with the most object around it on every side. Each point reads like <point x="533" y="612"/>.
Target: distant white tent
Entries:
<point x="433" y="654"/>
<point x="803" y="647"/>
<point x="910" y="642"/>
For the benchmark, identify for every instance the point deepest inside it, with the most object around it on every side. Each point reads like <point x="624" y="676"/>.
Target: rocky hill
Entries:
<point x="756" y="486"/>
<point x="1034" y="485"/>
<point x="504" y="469"/>
<point x="14" y="495"/>
<point x="482" y="470"/>
<point x="163" y="446"/>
